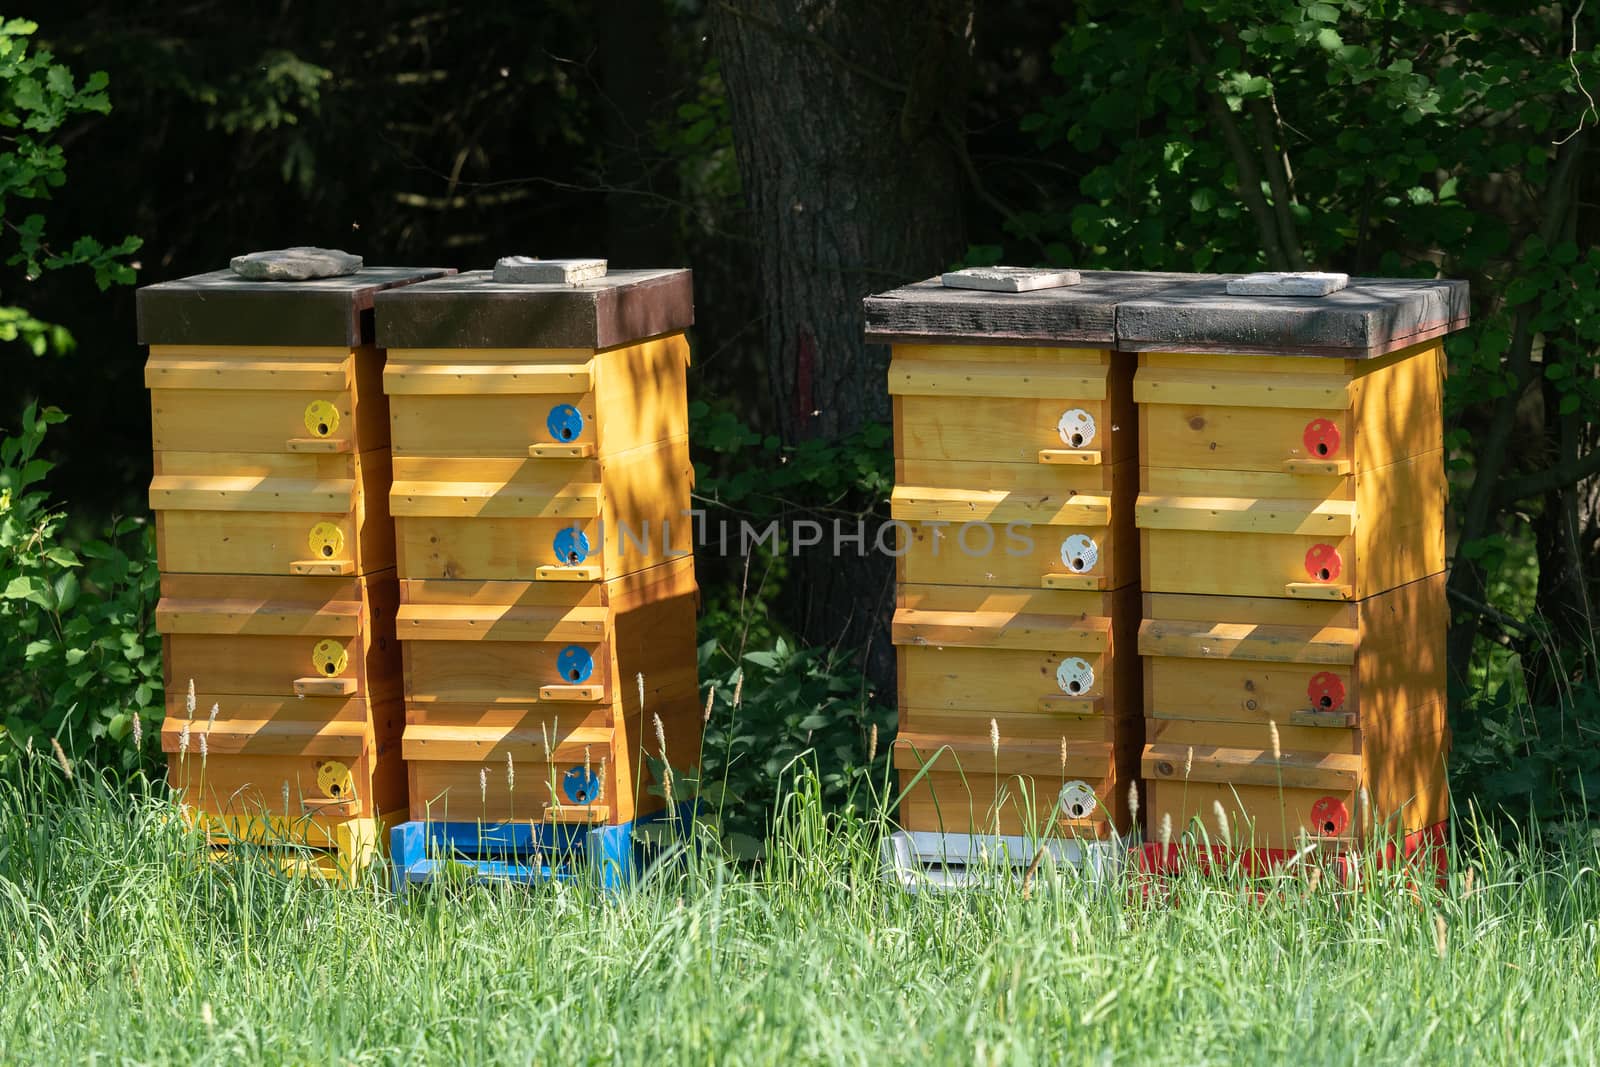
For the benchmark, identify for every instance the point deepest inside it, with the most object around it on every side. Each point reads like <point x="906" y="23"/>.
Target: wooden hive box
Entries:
<point x="1015" y="475"/>
<point x="271" y="439"/>
<point x="1291" y="518"/>
<point x="541" y="507"/>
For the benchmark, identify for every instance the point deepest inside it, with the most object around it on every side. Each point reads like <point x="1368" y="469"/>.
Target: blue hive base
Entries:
<point x="422" y="852"/>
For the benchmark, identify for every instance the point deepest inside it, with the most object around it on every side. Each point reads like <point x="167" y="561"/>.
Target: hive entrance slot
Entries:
<point x="1324" y="574"/>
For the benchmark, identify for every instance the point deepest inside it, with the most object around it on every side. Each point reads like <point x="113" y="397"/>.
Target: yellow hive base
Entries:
<point x="338" y="853"/>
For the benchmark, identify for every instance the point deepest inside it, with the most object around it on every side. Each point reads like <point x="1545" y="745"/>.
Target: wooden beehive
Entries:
<point x="271" y="438"/>
<point x="1291" y="518"/>
<point x="541" y="506"/>
<point x="1015" y="476"/>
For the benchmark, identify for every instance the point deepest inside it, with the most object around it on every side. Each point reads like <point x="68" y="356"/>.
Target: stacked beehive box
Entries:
<point x="1291" y="505"/>
<point x="271" y="439"/>
<point x="1017" y="601"/>
<point x="541" y="506"/>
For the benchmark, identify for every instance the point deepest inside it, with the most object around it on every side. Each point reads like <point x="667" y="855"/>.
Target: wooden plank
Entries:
<point x="1228" y="437"/>
<point x="1259" y="816"/>
<point x="483" y="549"/>
<point x="487" y="672"/>
<point x="328" y="374"/>
<point x="1061" y="480"/>
<point x="314" y="686"/>
<point x="480" y="427"/>
<point x="1177" y="734"/>
<point x="1070" y="457"/>
<point x="1240" y="690"/>
<point x="1201" y="385"/>
<point x="554" y="450"/>
<point x="975" y="679"/>
<point x="924" y="504"/>
<point x="585" y="815"/>
<point x="248" y="542"/>
<point x="1073" y="581"/>
<point x="1234" y="564"/>
<point x="1047" y="724"/>
<point x="409" y="377"/>
<point x="584" y="573"/>
<point x="1267" y="485"/>
<point x="197" y="493"/>
<point x="322" y="567"/>
<point x="953" y="753"/>
<point x="1402" y="534"/>
<point x="1272" y="610"/>
<point x="317" y="445"/>
<point x="999" y="630"/>
<point x="466" y="622"/>
<point x="1263" y="643"/>
<point x="1252" y="766"/>
<point x="1410" y="381"/>
<point x="573" y="694"/>
<point x="1317" y="590"/>
<point x="267" y="737"/>
<point x="641" y="394"/>
<point x="486" y="744"/>
<point x="1317" y="466"/>
<point x="1025" y="601"/>
<point x="1327" y="518"/>
<point x="458" y="499"/>
<point x="223" y="615"/>
<point x="909" y="377"/>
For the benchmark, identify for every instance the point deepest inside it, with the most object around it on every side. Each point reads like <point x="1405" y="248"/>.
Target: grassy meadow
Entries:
<point x="121" y="943"/>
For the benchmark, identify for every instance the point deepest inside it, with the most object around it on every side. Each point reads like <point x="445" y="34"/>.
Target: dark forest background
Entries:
<point x="798" y="156"/>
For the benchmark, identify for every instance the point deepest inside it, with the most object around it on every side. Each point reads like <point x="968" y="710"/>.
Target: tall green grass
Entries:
<point x="121" y="942"/>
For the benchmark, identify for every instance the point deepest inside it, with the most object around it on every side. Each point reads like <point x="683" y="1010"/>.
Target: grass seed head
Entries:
<point x="1133" y="802"/>
<point x="639" y="678"/>
<point x="212" y="721"/>
<point x="1277" y="750"/>
<point x="661" y="737"/>
<point x="994" y="737"/>
<point x="203" y="748"/>
<point x="138" y="733"/>
<point x="483" y="784"/>
<point x="1166" y="829"/>
<point x="183" y="739"/>
<point x="1063" y="756"/>
<point x="188" y="701"/>
<point x="61" y="758"/>
<point x="286" y="797"/>
<point x="738" y="688"/>
<point x="207" y="1016"/>
<point x="1441" y="936"/>
<point x="600" y="786"/>
<point x="872" y="743"/>
<point x="711" y="697"/>
<point x="1188" y="763"/>
<point x="511" y="774"/>
<point x="1223" y="833"/>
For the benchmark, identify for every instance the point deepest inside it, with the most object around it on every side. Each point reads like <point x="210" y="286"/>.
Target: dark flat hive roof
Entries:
<point x="1370" y="317"/>
<point x="472" y="310"/>
<point x="1136" y="311"/>
<point x="221" y="308"/>
<point x="1082" y="314"/>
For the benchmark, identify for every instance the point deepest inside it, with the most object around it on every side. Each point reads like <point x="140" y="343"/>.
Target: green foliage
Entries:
<point x="80" y="657"/>
<point x="1538" y="762"/>
<point x="773" y="708"/>
<point x="764" y="475"/>
<point x="38" y="96"/>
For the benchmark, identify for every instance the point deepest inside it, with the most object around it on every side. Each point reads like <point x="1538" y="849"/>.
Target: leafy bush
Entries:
<point x="773" y="705"/>
<point x="80" y="657"/>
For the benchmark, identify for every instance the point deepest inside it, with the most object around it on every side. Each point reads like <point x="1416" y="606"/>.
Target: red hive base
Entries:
<point x="1422" y="850"/>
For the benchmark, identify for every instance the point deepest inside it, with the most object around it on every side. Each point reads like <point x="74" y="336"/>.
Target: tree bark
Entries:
<point x="845" y="124"/>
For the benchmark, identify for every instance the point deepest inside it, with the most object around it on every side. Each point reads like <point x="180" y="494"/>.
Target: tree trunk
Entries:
<point x="847" y="127"/>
